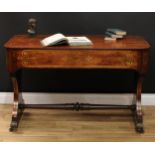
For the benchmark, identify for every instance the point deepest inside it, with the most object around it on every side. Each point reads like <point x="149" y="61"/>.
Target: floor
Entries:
<point x="88" y="126"/>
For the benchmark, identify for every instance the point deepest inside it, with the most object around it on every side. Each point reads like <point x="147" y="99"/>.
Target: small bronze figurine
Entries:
<point x="32" y="24"/>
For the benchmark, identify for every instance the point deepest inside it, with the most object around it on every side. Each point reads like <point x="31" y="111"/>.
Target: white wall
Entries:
<point x="47" y="98"/>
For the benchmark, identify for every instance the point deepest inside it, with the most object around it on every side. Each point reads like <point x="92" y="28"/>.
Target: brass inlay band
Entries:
<point x="77" y="59"/>
<point x="25" y="57"/>
<point x="31" y="58"/>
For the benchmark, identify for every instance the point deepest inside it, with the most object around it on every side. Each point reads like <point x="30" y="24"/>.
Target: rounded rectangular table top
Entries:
<point x="33" y="42"/>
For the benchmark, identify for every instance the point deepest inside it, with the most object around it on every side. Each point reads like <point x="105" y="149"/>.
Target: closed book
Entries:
<point x="113" y="35"/>
<point x="117" y="31"/>
<point x="109" y="38"/>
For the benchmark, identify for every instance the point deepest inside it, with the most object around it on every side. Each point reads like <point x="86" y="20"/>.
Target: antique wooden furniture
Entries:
<point x="130" y="53"/>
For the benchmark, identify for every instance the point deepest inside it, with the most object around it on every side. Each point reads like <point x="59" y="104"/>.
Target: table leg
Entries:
<point x="17" y="101"/>
<point x="137" y="110"/>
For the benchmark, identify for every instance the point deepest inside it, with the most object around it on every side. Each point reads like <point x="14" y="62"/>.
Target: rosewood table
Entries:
<point x="130" y="53"/>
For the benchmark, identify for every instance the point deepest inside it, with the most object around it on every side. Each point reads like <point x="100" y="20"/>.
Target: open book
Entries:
<point x="59" y="38"/>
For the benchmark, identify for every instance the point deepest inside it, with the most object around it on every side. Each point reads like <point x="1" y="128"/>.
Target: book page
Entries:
<point x="77" y="41"/>
<point x="53" y="40"/>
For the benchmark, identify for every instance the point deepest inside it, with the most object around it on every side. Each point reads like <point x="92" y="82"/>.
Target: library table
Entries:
<point x="130" y="53"/>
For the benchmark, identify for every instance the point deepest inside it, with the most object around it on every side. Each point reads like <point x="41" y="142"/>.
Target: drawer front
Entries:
<point x="78" y="59"/>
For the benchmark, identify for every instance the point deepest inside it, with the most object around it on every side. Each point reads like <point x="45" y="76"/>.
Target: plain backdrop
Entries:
<point x="142" y="24"/>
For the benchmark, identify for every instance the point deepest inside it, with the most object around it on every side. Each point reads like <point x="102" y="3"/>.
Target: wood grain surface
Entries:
<point x="61" y="125"/>
<point x="129" y="42"/>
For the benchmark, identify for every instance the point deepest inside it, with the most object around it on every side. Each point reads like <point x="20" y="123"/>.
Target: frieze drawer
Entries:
<point x="78" y="59"/>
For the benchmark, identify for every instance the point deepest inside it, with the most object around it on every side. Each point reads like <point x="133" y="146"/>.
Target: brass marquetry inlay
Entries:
<point x="104" y="60"/>
<point x="129" y="61"/>
<point x="25" y="57"/>
<point x="77" y="58"/>
<point x="89" y="58"/>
